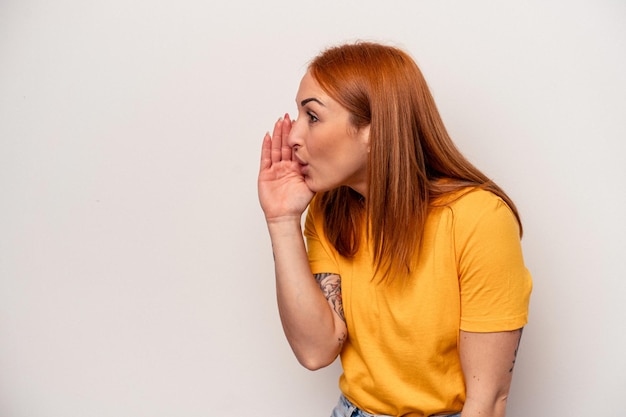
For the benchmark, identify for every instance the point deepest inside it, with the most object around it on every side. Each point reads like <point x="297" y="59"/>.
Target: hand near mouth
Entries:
<point x="283" y="193"/>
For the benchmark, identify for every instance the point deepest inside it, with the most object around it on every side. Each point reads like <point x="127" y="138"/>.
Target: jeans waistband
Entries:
<point x="345" y="408"/>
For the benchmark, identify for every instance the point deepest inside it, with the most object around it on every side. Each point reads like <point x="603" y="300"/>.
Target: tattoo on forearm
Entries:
<point x="331" y="287"/>
<point x="516" y="349"/>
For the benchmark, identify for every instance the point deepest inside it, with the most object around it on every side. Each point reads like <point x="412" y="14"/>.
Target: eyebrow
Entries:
<point x="307" y="100"/>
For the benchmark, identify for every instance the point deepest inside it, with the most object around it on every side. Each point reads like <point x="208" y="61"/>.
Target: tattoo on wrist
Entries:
<point x="330" y="284"/>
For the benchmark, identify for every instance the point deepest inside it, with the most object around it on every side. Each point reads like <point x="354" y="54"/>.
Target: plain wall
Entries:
<point x="136" y="275"/>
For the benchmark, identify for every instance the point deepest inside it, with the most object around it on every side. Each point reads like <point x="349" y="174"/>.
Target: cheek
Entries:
<point x="318" y="149"/>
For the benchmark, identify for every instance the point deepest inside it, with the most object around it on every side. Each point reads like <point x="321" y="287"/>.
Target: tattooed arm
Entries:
<point x="312" y="319"/>
<point x="330" y="284"/>
<point x="487" y="360"/>
<point x="311" y="324"/>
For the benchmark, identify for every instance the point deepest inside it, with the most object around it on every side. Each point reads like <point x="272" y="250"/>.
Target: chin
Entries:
<point x="316" y="187"/>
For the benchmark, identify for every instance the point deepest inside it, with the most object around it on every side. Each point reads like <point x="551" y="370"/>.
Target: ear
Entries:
<point x="364" y="135"/>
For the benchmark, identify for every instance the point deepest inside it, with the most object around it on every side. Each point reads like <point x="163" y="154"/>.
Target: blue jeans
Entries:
<point x="345" y="408"/>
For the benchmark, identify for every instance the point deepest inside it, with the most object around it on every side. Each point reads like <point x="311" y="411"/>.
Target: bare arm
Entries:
<point x="312" y="319"/>
<point x="488" y="360"/>
<point x="308" y="315"/>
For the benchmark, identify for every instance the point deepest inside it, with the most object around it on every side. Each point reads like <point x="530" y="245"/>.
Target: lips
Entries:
<point x="303" y="165"/>
<point x="298" y="160"/>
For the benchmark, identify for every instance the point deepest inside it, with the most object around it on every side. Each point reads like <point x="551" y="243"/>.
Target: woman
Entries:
<point x="412" y="271"/>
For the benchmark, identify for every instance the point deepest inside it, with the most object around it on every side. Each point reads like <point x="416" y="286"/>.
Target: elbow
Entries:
<point x="502" y="397"/>
<point x="494" y="405"/>
<point x="314" y="362"/>
<point x="317" y="353"/>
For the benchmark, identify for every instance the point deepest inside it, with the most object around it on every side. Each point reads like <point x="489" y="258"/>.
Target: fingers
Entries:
<point x="279" y="147"/>
<point x="286" y="151"/>
<point x="266" y="152"/>
<point x="277" y="141"/>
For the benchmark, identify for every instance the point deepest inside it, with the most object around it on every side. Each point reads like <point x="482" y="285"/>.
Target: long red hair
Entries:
<point x="412" y="159"/>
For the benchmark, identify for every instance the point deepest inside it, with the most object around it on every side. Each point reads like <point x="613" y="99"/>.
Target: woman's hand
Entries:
<point x="283" y="194"/>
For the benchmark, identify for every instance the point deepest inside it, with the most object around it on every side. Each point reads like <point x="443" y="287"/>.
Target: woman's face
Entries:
<point x="330" y="150"/>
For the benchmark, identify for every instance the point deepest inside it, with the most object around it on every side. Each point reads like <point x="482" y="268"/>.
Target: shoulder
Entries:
<point x="481" y="216"/>
<point x="477" y="209"/>
<point x="467" y="199"/>
<point x="472" y="199"/>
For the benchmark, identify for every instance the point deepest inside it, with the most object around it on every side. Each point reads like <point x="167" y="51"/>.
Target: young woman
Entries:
<point x="412" y="271"/>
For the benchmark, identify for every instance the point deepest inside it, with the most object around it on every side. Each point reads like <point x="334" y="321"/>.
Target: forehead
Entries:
<point x="310" y="88"/>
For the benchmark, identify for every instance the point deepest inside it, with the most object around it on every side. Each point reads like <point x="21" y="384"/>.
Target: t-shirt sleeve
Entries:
<point x="495" y="285"/>
<point x="322" y="258"/>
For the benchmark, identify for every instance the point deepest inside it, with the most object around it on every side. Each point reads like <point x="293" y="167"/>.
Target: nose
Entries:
<point x="294" y="137"/>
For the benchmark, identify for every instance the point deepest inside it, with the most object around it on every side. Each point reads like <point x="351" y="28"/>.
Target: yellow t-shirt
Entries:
<point x="401" y="354"/>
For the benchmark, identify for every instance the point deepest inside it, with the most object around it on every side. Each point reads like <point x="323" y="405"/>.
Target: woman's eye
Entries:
<point x="312" y="118"/>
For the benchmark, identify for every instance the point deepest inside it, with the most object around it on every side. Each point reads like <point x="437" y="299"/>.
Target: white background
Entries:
<point x="136" y="275"/>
